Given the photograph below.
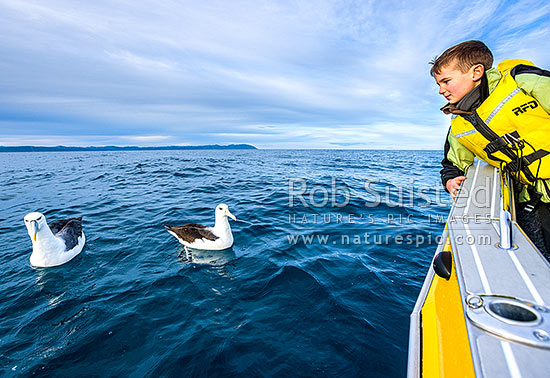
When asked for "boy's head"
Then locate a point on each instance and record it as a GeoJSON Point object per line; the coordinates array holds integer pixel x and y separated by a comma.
{"type": "Point", "coordinates": [460, 69]}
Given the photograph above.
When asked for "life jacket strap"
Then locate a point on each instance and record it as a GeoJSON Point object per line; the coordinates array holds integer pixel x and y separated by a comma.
{"type": "Point", "coordinates": [517, 163]}
{"type": "Point", "coordinates": [500, 143]}
{"type": "Point", "coordinates": [539, 154]}
{"type": "Point", "coordinates": [534, 199]}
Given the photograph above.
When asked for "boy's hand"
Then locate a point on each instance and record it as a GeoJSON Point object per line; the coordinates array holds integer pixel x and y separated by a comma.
{"type": "Point", "coordinates": [453, 185]}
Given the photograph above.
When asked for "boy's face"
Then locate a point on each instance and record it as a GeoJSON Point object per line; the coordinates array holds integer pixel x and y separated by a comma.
{"type": "Point", "coordinates": [455, 84]}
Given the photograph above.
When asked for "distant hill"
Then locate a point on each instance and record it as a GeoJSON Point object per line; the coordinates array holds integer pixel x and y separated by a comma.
{"type": "Point", "coordinates": [126, 148]}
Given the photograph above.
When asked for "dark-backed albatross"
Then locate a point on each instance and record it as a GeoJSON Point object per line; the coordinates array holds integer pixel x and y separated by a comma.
{"type": "Point", "coordinates": [197, 236]}
{"type": "Point", "coordinates": [56, 243]}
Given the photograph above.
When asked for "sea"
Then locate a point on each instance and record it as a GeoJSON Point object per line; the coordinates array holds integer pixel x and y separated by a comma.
{"type": "Point", "coordinates": [331, 248]}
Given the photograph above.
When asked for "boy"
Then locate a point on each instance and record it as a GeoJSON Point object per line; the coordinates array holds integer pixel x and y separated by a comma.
{"type": "Point", "coordinates": [502, 116]}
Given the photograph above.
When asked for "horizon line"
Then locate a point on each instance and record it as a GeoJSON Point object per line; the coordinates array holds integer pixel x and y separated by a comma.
{"type": "Point", "coordinates": [243, 146]}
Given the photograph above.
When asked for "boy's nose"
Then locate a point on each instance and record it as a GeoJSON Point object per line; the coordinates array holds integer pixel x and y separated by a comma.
{"type": "Point", "coordinates": [441, 90]}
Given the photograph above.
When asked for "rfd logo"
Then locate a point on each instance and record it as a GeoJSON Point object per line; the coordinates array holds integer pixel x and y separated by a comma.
{"type": "Point", "coordinates": [523, 108]}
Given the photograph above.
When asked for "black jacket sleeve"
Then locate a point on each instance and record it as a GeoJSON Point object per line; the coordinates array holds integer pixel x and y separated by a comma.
{"type": "Point", "coordinates": [449, 171]}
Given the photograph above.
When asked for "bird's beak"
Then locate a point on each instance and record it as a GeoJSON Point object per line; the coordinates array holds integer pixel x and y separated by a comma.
{"type": "Point", "coordinates": [230, 215]}
{"type": "Point", "coordinates": [33, 230]}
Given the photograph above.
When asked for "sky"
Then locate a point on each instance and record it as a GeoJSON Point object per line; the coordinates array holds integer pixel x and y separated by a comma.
{"type": "Point", "coordinates": [274, 74]}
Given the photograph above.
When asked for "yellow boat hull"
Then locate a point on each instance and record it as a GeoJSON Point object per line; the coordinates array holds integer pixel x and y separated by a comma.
{"type": "Point", "coordinates": [445, 345]}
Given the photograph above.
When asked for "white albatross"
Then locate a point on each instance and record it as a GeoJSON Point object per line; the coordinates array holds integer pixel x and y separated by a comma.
{"type": "Point", "coordinates": [56, 243]}
{"type": "Point", "coordinates": [197, 236]}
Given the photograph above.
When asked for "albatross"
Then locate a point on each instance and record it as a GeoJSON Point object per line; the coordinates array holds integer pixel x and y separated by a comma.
{"type": "Point", "coordinates": [55, 243]}
{"type": "Point", "coordinates": [197, 236]}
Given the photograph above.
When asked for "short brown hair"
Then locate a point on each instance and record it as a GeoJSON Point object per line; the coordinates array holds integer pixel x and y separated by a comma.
{"type": "Point", "coordinates": [464, 55]}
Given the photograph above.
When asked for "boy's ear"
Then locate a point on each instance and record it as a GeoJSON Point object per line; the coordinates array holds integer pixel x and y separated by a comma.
{"type": "Point", "coordinates": [477, 72]}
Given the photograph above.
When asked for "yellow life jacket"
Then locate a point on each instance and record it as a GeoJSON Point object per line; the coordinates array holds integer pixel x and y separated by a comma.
{"type": "Point", "coordinates": [509, 129]}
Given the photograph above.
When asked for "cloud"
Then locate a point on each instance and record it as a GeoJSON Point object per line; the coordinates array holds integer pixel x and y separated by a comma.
{"type": "Point", "coordinates": [271, 73]}
{"type": "Point", "coordinates": [148, 138]}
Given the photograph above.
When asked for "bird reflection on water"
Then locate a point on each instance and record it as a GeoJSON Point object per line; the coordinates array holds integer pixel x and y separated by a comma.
{"type": "Point", "coordinates": [218, 260]}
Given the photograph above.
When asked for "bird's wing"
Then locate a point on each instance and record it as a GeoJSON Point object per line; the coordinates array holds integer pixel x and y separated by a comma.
{"type": "Point", "coordinates": [191, 232]}
{"type": "Point", "coordinates": [196, 225]}
{"type": "Point", "coordinates": [57, 225]}
{"type": "Point", "coordinates": [69, 230]}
